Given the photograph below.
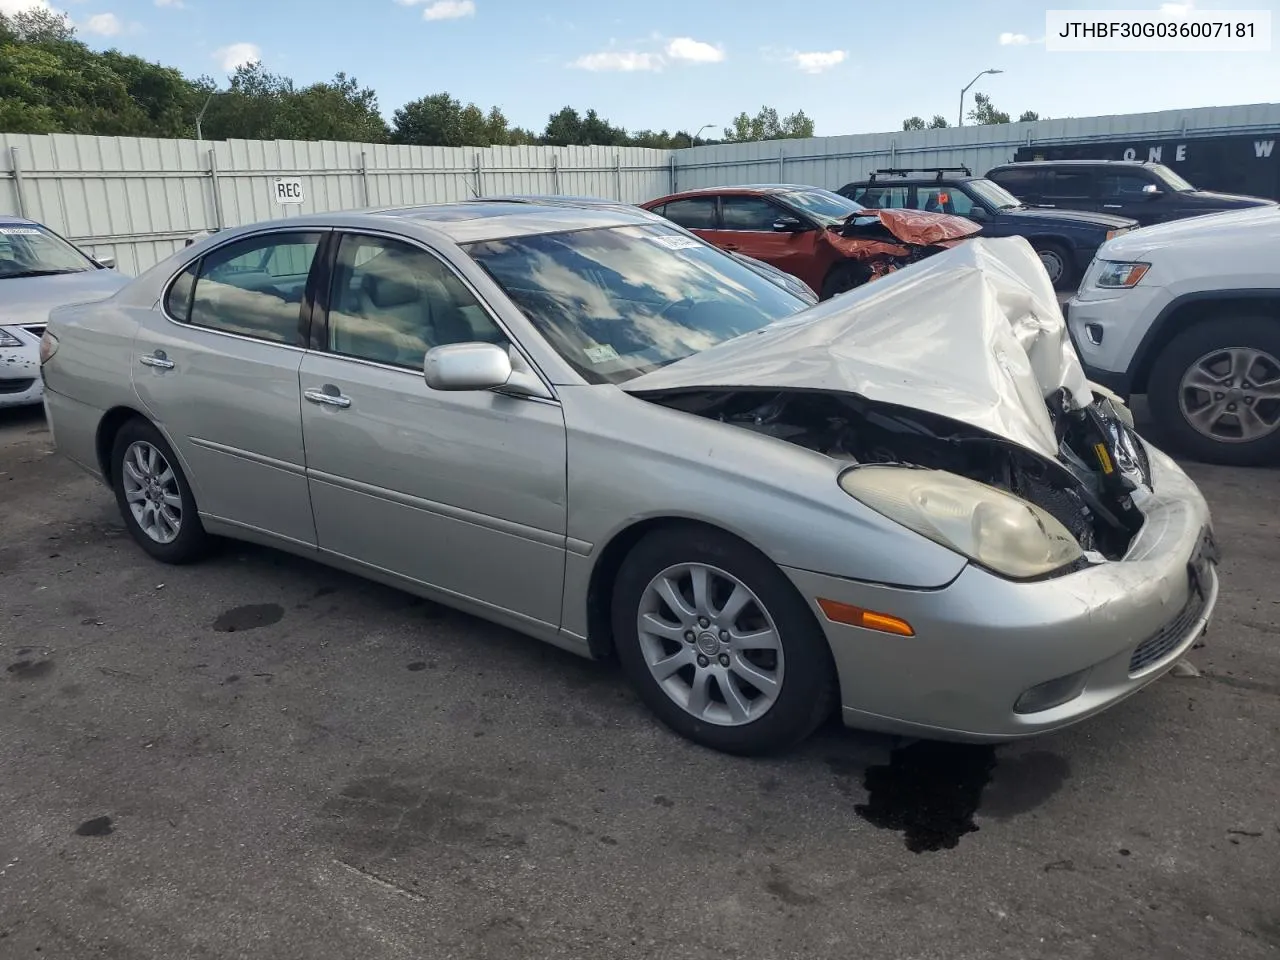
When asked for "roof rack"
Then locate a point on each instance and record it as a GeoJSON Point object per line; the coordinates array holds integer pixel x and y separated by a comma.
{"type": "Point", "coordinates": [904, 171]}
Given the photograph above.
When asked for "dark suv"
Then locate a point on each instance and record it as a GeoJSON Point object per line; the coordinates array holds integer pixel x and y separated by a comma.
{"type": "Point", "coordinates": [1065, 239]}
{"type": "Point", "coordinates": [1147, 192]}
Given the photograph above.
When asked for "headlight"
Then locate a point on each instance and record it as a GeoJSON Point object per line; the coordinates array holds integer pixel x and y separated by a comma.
{"type": "Point", "coordinates": [7, 339]}
{"type": "Point", "coordinates": [993, 528]}
{"type": "Point", "coordinates": [1115, 275]}
{"type": "Point", "coordinates": [48, 347]}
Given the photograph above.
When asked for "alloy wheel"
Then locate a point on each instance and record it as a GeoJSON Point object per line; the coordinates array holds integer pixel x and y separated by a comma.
{"type": "Point", "coordinates": [152, 492]}
{"type": "Point", "coordinates": [710, 644]}
{"type": "Point", "coordinates": [1232, 395]}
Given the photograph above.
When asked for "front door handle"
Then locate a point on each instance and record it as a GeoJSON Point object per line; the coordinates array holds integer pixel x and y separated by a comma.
{"type": "Point", "coordinates": [328, 396]}
{"type": "Point", "coordinates": [157, 360]}
{"type": "Point", "coordinates": [729, 246]}
{"type": "Point", "coordinates": [1111, 206]}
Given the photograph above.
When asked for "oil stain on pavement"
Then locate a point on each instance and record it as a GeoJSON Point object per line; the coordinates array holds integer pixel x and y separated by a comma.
{"type": "Point", "coordinates": [931, 791]}
{"type": "Point", "coordinates": [249, 617]}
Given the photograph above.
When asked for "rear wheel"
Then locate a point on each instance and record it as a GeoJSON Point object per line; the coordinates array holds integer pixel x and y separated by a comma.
{"type": "Point", "coordinates": [719, 644]}
{"type": "Point", "coordinates": [1056, 260]}
{"type": "Point", "coordinates": [153, 495]}
{"type": "Point", "coordinates": [844, 277]}
{"type": "Point", "coordinates": [1214, 392]}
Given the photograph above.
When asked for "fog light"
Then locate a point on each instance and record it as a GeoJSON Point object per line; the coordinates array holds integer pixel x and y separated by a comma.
{"type": "Point", "coordinates": [1052, 693]}
{"type": "Point", "coordinates": [1094, 332]}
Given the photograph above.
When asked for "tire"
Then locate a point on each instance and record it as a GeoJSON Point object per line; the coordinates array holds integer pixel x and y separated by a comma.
{"type": "Point", "coordinates": [842, 278]}
{"type": "Point", "coordinates": [805, 691]}
{"type": "Point", "coordinates": [1198, 355]}
{"type": "Point", "coordinates": [1051, 252]}
{"type": "Point", "coordinates": [136, 441]}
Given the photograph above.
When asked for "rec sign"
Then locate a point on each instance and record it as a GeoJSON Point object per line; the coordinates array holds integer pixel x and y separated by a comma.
{"type": "Point", "coordinates": [288, 190]}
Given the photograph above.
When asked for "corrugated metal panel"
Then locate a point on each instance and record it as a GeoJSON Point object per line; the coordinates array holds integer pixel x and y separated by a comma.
{"type": "Point", "coordinates": [832, 162]}
{"type": "Point", "coordinates": [138, 199]}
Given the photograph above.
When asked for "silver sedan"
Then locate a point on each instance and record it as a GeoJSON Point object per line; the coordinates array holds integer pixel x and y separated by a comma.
{"type": "Point", "coordinates": [906, 503]}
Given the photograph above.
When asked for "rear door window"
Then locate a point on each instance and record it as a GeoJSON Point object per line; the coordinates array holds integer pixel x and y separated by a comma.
{"type": "Point", "coordinates": [880, 197]}
{"type": "Point", "coordinates": [695, 213]}
{"type": "Point", "coordinates": [1022, 183]}
{"type": "Point", "coordinates": [1066, 185]}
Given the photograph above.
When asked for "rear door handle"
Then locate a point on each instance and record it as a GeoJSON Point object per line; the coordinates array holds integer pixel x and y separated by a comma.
{"type": "Point", "coordinates": [328, 396]}
{"type": "Point", "coordinates": [729, 246]}
{"type": "Point", "coordinates": [157, 360]}
{"type": "Point", "coordinates": [1111, 206]}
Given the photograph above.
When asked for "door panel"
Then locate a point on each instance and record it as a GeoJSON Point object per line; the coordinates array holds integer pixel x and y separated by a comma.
{"type": "Point", "coordinates": [463, 491]}
{"type": "Point", "coordinates": [230, 403]}
{"type": "Point", "coordinates": [747, 227]}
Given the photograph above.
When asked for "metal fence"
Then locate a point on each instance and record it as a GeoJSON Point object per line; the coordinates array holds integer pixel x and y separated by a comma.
{"type": "Point", "coordinates": [832, 162]}
{"type": "Point", "coordinates": [138, 199]}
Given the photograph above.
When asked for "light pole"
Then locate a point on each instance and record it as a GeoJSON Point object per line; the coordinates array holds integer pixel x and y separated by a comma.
{"type": "Point", "coordinates": [960, 123]}
{"type": "Point", "coordinates": [200, 115]}
{"type": "Point", "coordinates": [699, 133]}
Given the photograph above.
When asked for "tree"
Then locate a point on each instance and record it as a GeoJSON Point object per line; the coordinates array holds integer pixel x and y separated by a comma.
{"type": "Point", "coordinates": [1028, 115]}
{"type": "Point", "coordinates": [984, 111]}
{"type": "Point", "coordinates": [765, 125]}
{"type": "Point", "coordinates": [913, 123]}
{"type": "Point", "coordinates": [564, 127]}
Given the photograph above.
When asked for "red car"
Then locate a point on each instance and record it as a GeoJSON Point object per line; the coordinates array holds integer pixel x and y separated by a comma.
{"type": "Point", "coordinates": [826, 240]}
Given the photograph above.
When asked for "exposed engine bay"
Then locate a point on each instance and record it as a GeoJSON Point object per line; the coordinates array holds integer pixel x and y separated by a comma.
{"type": "Point", "coordinates": [1090, 488]}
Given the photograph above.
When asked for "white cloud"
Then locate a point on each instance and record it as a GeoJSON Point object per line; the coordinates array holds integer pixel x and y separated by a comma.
{"type": "Point", "coordinates": [11, 7]}
{"type": "Point", "coordinates": [443, 9]}
{"type": "Point", "coordinates": [103, 25]}
{"type": "Point", "coordinates": [1014, 39]}
{"type": "Point", "coordinates": [818, 60]}
{"type": "Point", "coordinates": [237, 55]}
{"type": "Point", "coordinates": [624, 61]}
{"type": "Point", "coordinates": [694, 51]}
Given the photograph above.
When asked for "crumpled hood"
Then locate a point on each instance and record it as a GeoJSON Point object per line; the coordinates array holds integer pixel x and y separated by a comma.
{"type": "Point", "coordinates": [919, 227]}
{"type": "Point", "coordinates": [26, 300]}
{"type": "Point", "coordinates": [973, 333]}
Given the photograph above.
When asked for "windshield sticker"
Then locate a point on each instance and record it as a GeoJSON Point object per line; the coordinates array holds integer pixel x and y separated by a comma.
{"type": "Point", "coordinates": [19, 232]}
{"type": "Point", "coordinates": [673, 241]}
{"type": "Point", "coordinates": [601, 353]}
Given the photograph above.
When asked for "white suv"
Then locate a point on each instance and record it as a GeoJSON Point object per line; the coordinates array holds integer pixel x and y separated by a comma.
{"type": "Point", "coordinates": [1188, 313]}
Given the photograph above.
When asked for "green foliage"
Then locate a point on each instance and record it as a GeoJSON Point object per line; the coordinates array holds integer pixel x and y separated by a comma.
{"type": "Point", "coordinates": [939, 122]}
{"type": "Point", "coordinates": [765, 125]}
{"type": "Point", "coordinates": [984, 111]}
{"type": "Point", "coordinates": [51, 82]}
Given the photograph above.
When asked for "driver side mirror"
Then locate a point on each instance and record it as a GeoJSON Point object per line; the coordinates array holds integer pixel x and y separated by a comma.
{"type": "Point", "coordinates": [478, 366]}
{"type": "Point", "coordinates": [107, 263]}
{"type": "Point", "coordinates": [1150, 192]}
{"type": "Point", "coordinates": [977, 213]}
{"type": "Point", "coordinates": [788, 225]}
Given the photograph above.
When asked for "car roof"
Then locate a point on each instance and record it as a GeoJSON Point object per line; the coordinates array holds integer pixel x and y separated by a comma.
{"type": "Point", "coordinates": [1076, 163]}
{"type": "Point", "coordinates": [891, 180]}
{"type": "Point", "coordinates": [745, 188]}
{"type": "Point", "coordinates": [470, 221]}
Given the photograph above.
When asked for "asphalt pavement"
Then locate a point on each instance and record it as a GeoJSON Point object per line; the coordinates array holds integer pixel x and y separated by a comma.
{"type": "Point", "coordinates": [257, 757]}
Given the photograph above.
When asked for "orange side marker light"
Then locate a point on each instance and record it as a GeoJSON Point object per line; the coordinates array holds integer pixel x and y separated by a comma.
{"type": "Point", "coordinates": [847, 613]}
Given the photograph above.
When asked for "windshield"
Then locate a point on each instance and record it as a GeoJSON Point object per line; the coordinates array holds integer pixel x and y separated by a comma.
{"type": "Point", "coordinates": [992, 194]}
{"type": "Point", "coordinates": [617, 302]}
{"type": "Point", "coordinates": [1174, 181]}
{"type": "Point", "coordinates": [823, 205]}
{"type": "Point", "coordinates": [27, 250]}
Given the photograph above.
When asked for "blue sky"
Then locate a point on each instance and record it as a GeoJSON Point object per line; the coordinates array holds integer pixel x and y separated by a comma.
{"type": "Point", "coordinates": [852, 65]}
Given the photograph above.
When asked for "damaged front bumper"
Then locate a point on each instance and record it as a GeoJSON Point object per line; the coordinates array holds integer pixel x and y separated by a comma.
{"type": "Point", "coordinates": [982, 644]}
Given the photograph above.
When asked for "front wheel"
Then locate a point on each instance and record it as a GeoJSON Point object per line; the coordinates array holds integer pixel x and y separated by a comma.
{"type": "Point", "coordinates": [153, 495]}
{"type": "Point", "coordinates": [844, 277]}
{"type": "Point", "coordinates": [1214, 392]}
{"type": "Point", "coordinates": [1056, 260]}
{"type": "Point", "coordinates": [719, 644]}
